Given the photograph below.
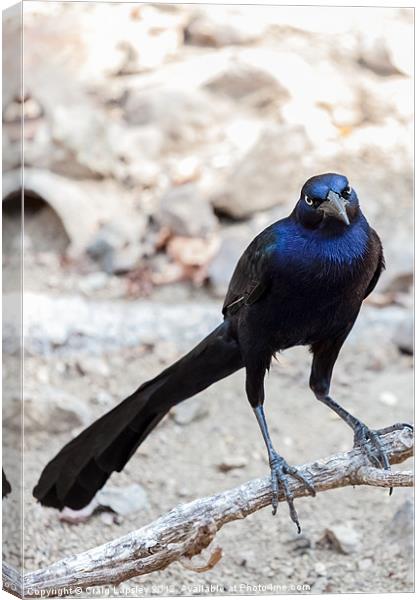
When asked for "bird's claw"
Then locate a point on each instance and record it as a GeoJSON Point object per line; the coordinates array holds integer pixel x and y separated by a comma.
{"type": "Point", "coordinates": [279, 471]}
{"type": "Point", "coordinates": [368, 440]}
{"type": "Point", "coordinates": [396, 427]}
{"type": "Point", "coordinates": [370, 444]}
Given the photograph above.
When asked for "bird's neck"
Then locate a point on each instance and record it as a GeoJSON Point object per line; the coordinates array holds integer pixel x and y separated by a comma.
{"type": "Point", "coordinates": [339, 244]}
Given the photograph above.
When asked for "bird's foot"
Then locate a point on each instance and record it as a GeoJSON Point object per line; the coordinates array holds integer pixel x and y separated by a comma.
{"type": "Point", "coordinates": [279, 471]}
{"type": "Point", "coordinates": [368, 440]}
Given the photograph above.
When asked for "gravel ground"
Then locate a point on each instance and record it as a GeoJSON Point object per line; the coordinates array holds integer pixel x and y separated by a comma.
{"type": "Point", "coordinates": [180, 463]}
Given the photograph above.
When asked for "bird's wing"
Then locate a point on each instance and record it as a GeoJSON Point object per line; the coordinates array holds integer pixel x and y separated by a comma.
{"type": "Point", "coordinates": [380, 264]}
{"type": "Point", "coordinates": [250, 279]}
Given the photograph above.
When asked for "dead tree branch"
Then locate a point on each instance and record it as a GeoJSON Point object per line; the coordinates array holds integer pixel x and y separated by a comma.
{"type": "Point", "coordinates": [186, 530]}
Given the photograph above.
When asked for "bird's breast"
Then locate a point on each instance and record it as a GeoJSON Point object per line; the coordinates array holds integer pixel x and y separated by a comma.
{"type": "Point", "coordinates": [318, 283]}
{"type": "Point", "coordinates": [319, 254]}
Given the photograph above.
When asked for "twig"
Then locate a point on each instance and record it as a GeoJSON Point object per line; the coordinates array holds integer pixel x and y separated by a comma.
{"type": "Point", "coordinates": [186, 530]}
{"type": "Point", "coordinates": [379, 478]}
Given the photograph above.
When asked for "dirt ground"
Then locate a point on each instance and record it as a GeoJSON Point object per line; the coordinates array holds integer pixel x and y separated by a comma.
{"type": "Point", "coordinates": [179, 463]}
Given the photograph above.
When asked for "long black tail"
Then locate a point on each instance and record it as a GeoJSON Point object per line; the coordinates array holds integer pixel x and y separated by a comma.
{"type": "Point", "coordinates": [6, 487]}
{"type": "Point", "coordinates": [83, 466]}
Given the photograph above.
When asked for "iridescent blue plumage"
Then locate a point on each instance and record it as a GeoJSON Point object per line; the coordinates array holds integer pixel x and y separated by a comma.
{"type": "Point", "coordinates": [322, 246]}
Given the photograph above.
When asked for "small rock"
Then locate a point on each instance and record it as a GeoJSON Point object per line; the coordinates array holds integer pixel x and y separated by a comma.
{"type": "Point", "coordinates": [320, 569]}
{"type": "Point", "coordinates": [116, 246]}
{"type": "Point", "coordinates": [184, 210]}
{"type": "Point", "coordinates": [401, 528]}
{"type": "Point", "coordinates": [246, 83]}
{"type": "Point", "coordinates": [381, 356]}
{"type": "Point", "coordinates": [183, 493]}
{"type": "Point", "coordinates": [300, 545]}
{"type": "Point", "coordinates": [53, 410]}
{"type": "Point", "coordinates": [191, 410]}
{"type": "Point", "coordinates": [93, 282]}
{"type": "Point", "coordinates": [61, 367]}
{"type": "Point", "coordinates": [365, 564]}
{"type": "Point", "coordinates": [247, 558]}
{"type": "Point", "coordinates": [223, 28]}
{"type": "Point", "coordinates": [166, 352]}
{"type": "Point", "coordinates": [320, 586]}
{"type": "Point", "coordinates": [185, 170]}
{"type": "Point", "coordinates": [341, 538]}
{"type": "Point", "coordinates": [398, 275]}
{"type": "Point", "coordinates": [192, 252]}
{"type": "Point", "coordinates": [145, 173]}
{"type": "Point", "coordinates": [104, 398]}
{"type": "Point", "coordinates": [127, 259]}
{"type": "Point", "coordinates": [234, 462]}
{"type": "Point", "coordinates": [107, 518]}
{"type": "Point", "coordinates": [404, 335]}
{"type": "Point", "coordinates": [287, 570]}
{"type": "Point", "coordinates": [376, 58]}
{"type": "Point", "coordinates": [234, 241]}
{"type": "Point", "coordinates": [124, 500]}
{"type": "Point", "coordinates": [43, 374]}
{"type": "Point", "coordinates": [48, 259]}
{"type": "Point", "coordinates": [388, 398]}
{"type": "Point", "coordinates": [382, 51]}
{"type": "Point", "coordinates": [92, 365]}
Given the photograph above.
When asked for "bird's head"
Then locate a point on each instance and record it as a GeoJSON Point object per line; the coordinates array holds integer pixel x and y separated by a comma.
{"type": "Point", "coordinates": [327, 200]}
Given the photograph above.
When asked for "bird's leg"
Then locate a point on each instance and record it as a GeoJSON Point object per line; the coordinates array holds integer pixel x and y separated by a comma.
{"type": "Point", "coordinates": [255, 374]}
{"type": "Point", "coordinates": [366, 439]}
{"type": "Point", "coordinates": [362, 434]}
{"type": "Point", "coordinates": [279, 471]}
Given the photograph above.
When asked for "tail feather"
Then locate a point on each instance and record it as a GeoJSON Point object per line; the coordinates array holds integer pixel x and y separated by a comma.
{"type": "Point", "coordinates": [83, 466]}
{"type": "Point", "coordinates": [6, 487]}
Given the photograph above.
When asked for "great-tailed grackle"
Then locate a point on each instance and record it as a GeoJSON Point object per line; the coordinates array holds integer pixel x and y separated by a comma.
{"type": "Point", "coordinates": [300, 282]}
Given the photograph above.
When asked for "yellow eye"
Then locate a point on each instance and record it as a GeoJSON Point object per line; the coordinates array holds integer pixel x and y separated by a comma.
{"type": "Point", "coordinates": [347, 192]}
{"type": "Point", "coordinates": [309, 201]}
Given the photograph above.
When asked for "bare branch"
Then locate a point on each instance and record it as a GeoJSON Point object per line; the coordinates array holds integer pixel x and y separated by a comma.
{"type": "Point", "coordinates": [186, 530]}
{"type": "Point", "coordinates": [379, 478]}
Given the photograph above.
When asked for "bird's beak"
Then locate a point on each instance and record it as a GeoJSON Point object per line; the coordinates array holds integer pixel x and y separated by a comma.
{"type": "Point", "coordinates": [335, 206]}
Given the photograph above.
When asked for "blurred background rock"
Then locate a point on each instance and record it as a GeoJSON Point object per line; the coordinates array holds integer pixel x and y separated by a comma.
{"type": "Point", "coordinates": [159, 139]}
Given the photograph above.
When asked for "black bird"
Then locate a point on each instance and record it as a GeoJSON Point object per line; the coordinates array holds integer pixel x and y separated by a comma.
{"type": "Point", "coordinates": [300, 282]}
